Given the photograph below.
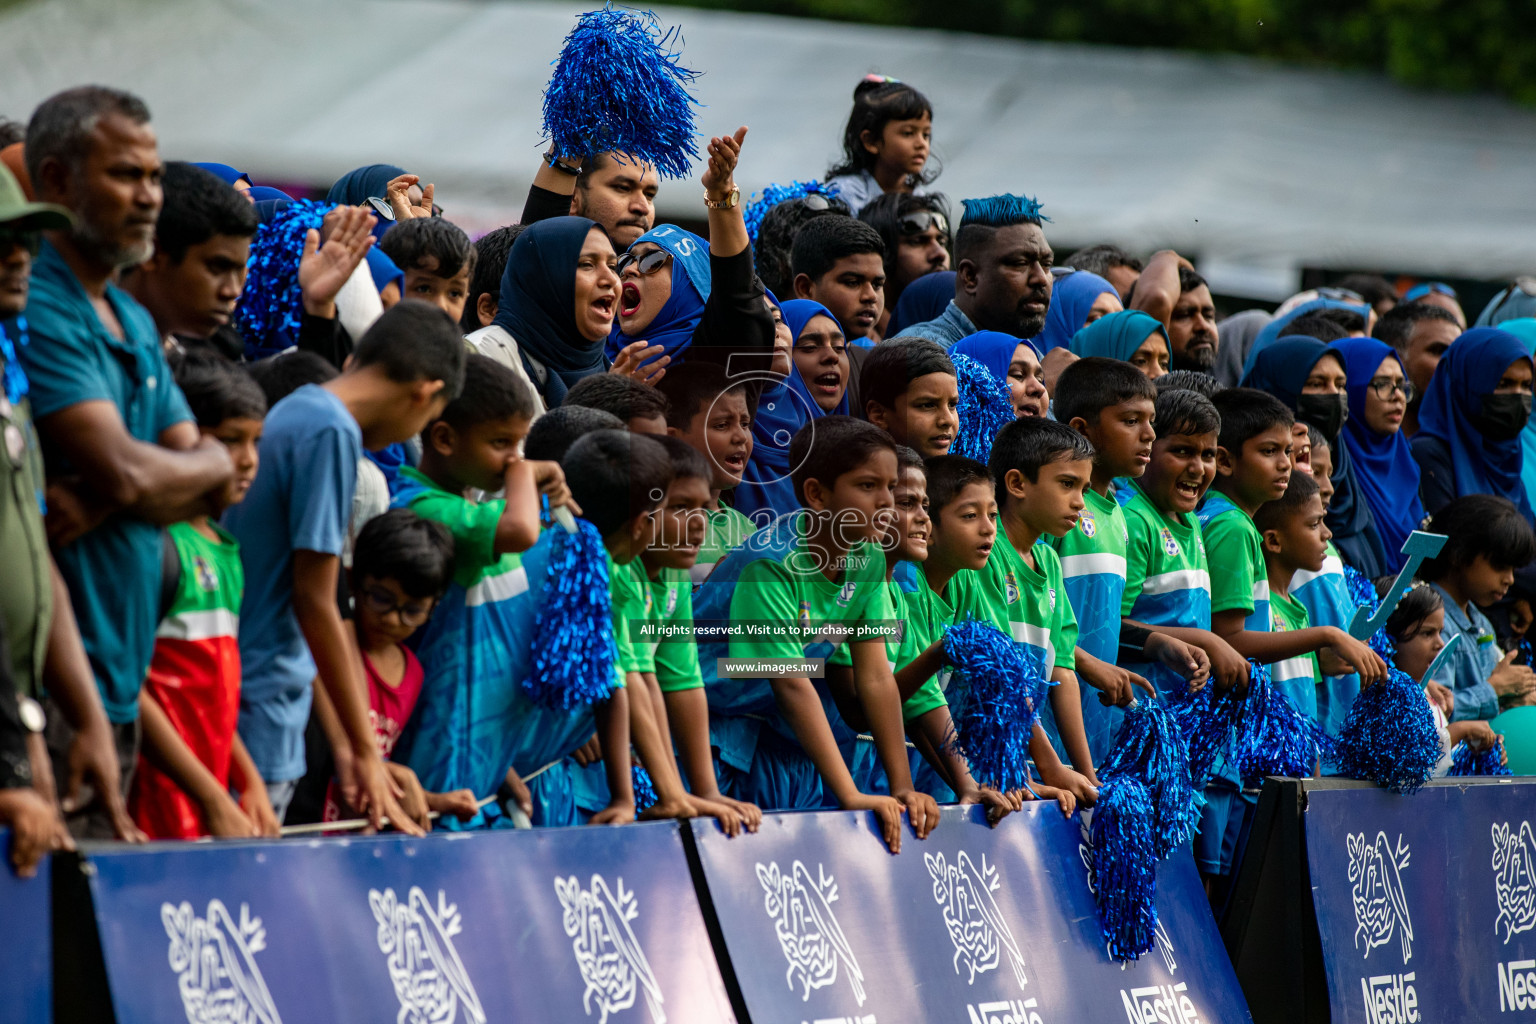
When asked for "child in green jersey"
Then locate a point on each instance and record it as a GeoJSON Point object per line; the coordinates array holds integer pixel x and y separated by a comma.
{"type": "Point", "coordinates": [1294, 540]}
{"type": "Point", "coordinates": [675, 663]}
{"type": "Point", "coordinates": [1041, 469]}
{"type": "Point", "coordinates": [909, 390]}
{"type": "Point", "coordinates": [704, 410]}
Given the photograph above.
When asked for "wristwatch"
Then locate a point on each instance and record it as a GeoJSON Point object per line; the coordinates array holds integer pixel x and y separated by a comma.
{"type": "Point", "coordinates": [557, 164]}
{"type": "Point", "coordinates": [730, 202]}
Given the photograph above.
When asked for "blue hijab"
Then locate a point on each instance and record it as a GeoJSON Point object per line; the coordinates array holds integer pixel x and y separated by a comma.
{"type": "Point", "coordinates": [225, 173]}
{"type": "Point", "coordinates": [1072, 296]}
{"type": "Point", "coordinates": [781, 411]}
{"type": "Point", "coordinates": [1282, 369]}
{"type": "Point", "coordinates": [537, 305]}
{"type": "Point", "coordinates": [1470, 369]}
{"type": "Point", "coordinates": [1118, 335]}
{"type": "Point", "coordinates": [921, 301]}
{"type": "Point", "coordinates": [269, 202]}
{"type": "Point", "coordinates": [383, 270]}
{"type": "Point", "coordinates": [356, 187]}
{"type": "Point", "coordinates": [1524, 328]}
{"type": "Point", "coordinates": [1270, 332]}
{"type": "Point", "coordinates": [1384, 465]}
{"type": "Point", "coordinates": [674, 324]}
{"type": "Point", "coordinates": [992, 349]}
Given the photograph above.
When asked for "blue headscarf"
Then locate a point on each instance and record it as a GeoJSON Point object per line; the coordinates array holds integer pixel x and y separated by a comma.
{"type": "Point", "coordinates": [1513, 303]}
{"type": "Point", "coordinates": [1470, 369]}
{"type": "Point", "coordinates": [674, 324]}
{"type": "Point", "coordinates": [1524, 328]}
{"type": "Point", "coordinates": [1384, 465]}
{"type": "Point", "coordinates": [1072, 296]}
{"type": "Point", "coordinates": [781, 412]}
{"type": "Point", "coordinates": [1282, 368]}
{"type": "Point", "coordinates": [269, 201]}
{"type": "Point", "coordinates": [1118, 335]}
{"type": "Point", "coordinates": [921, 301]}
{"type": "Point", "coordinates": [992, 349]}
{"type": "Point", "coordinates": [356, 187]}
{"type": "Point", "coordinates": [537, 305]}
{"type": "Point", "coordinates": [383, 269]}
{"type": "Point", "coordinates": [225, 173]}
{"type": "Point", "coordinates": [1270, 332]}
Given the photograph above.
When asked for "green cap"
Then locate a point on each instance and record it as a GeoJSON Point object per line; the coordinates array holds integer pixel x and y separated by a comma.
{"type": "Point", "coordinates": [19, 214]}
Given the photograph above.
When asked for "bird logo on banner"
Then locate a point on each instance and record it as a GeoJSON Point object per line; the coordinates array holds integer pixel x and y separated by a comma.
{"type": "Point", "coordinates": [429, 978]}
{"type": "Point", "coordinates": [608, 953]}
{"type": "Point", "coordinates": [971, 915]}
{"type": "Point", "coordinates": [215, 960]}
{"type": "Point", "coordinates": [812, 940]}
{"type": "Point", "coordinates": [1381, 905]}
{"type": "Point", "coordinates": [1514, 879]}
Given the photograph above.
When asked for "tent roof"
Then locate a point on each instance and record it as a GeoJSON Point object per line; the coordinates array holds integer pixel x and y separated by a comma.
{"type": "Point", "coordinates": [1255, 168]}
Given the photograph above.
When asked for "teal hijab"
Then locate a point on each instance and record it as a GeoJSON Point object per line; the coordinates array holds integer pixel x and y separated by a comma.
{"type": "Point", "coordinates": [1117, 335]}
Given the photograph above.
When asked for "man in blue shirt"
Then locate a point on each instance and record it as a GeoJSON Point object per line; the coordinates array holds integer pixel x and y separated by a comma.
{"type": "Point", "coordinates": [124, 453]}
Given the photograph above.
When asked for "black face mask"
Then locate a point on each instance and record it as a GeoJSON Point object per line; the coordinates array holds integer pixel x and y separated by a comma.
{"type": "Point", "coordinates": [1325, 412]}
{"type": "Point", "coordinates": [1503, 416]}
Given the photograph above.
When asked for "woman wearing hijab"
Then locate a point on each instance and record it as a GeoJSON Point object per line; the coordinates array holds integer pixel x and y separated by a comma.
{"type": "Point", "coordinates": [1385, 470]}
{"type": "Point", "coordinates": [1524, 328]}
{"type": "Point", "coordinates": [922, 300]}
{"type": "Point", "coordinates": [1130, 336]}
{"type": "Point", "coordinates": [817, 386]}
{"type": "Point", "coordinates": [1472, 418]}
{"type": "Point", "coordinates": [370, 186]}
{"type": "Point", "coordinates": [1014, 361]}
{"type": "Point", "coordinates": [558, 297]}
{"type": "Point", "coordinates": [1077, 300]}
{"type": "Point", "coordinates": [233, 177]}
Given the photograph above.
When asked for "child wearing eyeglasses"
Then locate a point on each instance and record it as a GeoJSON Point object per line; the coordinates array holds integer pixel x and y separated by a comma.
{"type": "Point", "coordinates": [401, 565]}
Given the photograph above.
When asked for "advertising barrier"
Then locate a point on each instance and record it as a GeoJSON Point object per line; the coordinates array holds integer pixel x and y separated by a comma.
{"type": "Point", "coordinates": [976, 925]}
{"type": "Point", "coordinates": [26, 961]}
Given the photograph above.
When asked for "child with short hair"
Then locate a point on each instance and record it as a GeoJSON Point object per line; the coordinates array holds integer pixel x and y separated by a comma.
{"type": "Point", "coordinates": [909, 390]}
{"type": "Point", "coordinates": [818, 568]}
{"type": "Point", "coordinates": [190, 701]}
{"type": "Point", "coordinates": [438, 261]}
{"type": "Point", "coordinates": [553, 433]}
{"type": "Point", "coordinates": [292, 527]}
{"type": "Point", "coordinates": [1488, 540]}
{"type": "Point", "coordinates": [1112, 404]}
{"type": "Point", "coordinates": [642, 408]}
{"type": "Point", "coordinates": [401, 566]}
{"type": "Point", "coordinates": [840, 263]}
{"type": "Point", "coordinates": [707, 412]}
{"type": "Point", "coordinates": [484, 300]}
{"type": "Point", "coordinates": [1294, 540]}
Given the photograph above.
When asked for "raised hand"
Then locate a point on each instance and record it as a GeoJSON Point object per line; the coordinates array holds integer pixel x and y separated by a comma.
{"type": "Point", "coordinates": [399, 200]}
{"type": "Point", "coordinates": [720, 173]}
{"type": "Point", "coordinates": [324, 268]}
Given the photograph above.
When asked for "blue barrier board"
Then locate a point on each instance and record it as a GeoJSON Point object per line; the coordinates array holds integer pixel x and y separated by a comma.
{"type": "Point", "coordinates": [974, 925]}
{"type": "Point", "coordinates": [1426, 904]}
{"type": "Point", "coordinates": [567, 925]}
{"type": "Point", "coordinates": [26, 942]}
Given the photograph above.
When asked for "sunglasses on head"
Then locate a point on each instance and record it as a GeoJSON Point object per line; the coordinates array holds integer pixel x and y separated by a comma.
{"type": "Point", "coordinates": [1418, 291]}
{"type": "Point", "coordinates": [649, 263]}
{"type": "Point", "coordinates": [32, 241]}
{"type": "Point", "coordinates": [382, 207]}
{"type": "Point", "coordinates": [917, 223]}
{"type": "Point", "coordinates": [1340, 295]}
{"type": "Point", "coordinates": [815, 201]}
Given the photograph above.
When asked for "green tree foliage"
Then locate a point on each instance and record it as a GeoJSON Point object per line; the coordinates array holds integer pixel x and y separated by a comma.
{"type": "Point", "coordinates": [1443, 44]}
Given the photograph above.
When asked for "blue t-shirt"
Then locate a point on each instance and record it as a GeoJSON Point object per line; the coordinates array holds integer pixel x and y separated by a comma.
{"type": "Point", "coordinates": [301, 501]}
{"type": "Point", "coordinates": [1471, 663]}
{"type": "Point", "coordinates": [1325, 596]}
{"type": "Point", "coordinates": [113, 572]}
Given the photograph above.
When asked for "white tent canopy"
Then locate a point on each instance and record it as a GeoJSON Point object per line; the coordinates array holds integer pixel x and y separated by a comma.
{"type": "Point", "coordinates": [1255, 169]}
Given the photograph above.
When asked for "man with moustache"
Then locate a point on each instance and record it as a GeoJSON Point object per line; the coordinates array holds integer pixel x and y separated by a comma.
{"type": "Point", "coordinates": [1192, 325]}
{"type": "Point", "coordinates": [123, 451]}
{"type": "Point", "coordinates": [1002, 273]}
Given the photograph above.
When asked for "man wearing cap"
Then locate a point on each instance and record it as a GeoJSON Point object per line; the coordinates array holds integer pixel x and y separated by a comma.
{"type": "Point", "coordinates": [123, 453]}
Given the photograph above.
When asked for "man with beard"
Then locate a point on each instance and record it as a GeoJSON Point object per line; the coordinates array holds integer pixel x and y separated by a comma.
{"type": "Point", "coordinates": [123, 451]}
{"type": "Point", "coordinates": [613, 189]}
{"type": "Point", "coordinates": [1192, 324]}
{"type": "Point", "coordinates": [1002, 273]}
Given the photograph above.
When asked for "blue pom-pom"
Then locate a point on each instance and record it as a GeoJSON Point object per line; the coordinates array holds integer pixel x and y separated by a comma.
{"type": "Point", "coordinates": [573, 650]}
{"type": "Point", "coordinates": [994, 700]}
{"type": "Point", "coordinates": [1488, 761]}
{"type": "Point", "coordinates": [271, 304]}
{"type": "Point", "coordinates": [1361, 591]}
{"type": "Point", "coordinates": [1150, 748]}
{"type": "Point", "coordinates": [1124, 870]}
{"type": "Point", "coordinates": [1001, 211]}
{"type": "Point", "coordinates": [1273, 737]}
{"type": "Point", "coordinates": [1206, 720]}
{"type": "Point", "coordinates": [773, 195]}
{"type": "Point", "coordinates": [986, 406]}
{"type": "Point", "coordinates": [645, 790]}
{"type": "Point", "coordinates": [1389, 736]}
{"type": "Point", "coordinates": [618, 88]}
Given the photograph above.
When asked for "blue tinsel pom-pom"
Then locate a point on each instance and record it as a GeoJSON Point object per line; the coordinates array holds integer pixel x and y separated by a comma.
{"type": "Point", "coordinates": [994, 702]}
{"type": "Point", "coordinates": [573, 651]}
{"type": "Point", "coordinates": [1124, 872]}
{"type": "Point", "coordinates": [645, 790]}
{"type": "Point", "coordinates": [773, 195]}
{"type": "Point", "coordinates": [986, 406]}
{"type": "Point", "coordinates": [1466, 761]}
{"type": "Point", "coordinates": [1273, 737]}
{"type": "Point", "coordinates": [1150, 749]}
{"type": "Point", "coordinates": [1205, 719]}
{"type": "Point", "coordinates": [271, 303]}
{"type": "Point", "coordinates": [618, 87]}
{"type": "Point", "coordinates": [1389, 736]}
{"type": "Point", "coordinates": [1361, 590]}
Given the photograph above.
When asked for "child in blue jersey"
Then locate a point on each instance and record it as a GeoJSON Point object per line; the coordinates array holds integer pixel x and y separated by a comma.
{"type": "Point", "coordinates": [472, 721]}
{"type": "Point", "coordinates": [1111, 403]}
{"type": "Point", "coordinates": [809, 578]}
{"type": "Point", "coordinates": [909, 390]}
